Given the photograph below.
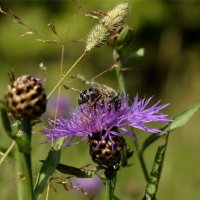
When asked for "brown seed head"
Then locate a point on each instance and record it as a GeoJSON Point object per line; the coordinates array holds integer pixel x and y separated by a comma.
{"type": "Point", "coordinates": [26, 98]}
{"type": "Point", "coordinates": [103, 154]}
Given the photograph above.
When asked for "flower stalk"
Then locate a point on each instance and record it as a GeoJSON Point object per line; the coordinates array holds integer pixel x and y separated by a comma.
{"type": "Point", "coordinates": [65, 75]}
{"type": "Point", "coordinates": [111, 175]}
{"type": "Point", "coordinates": [20, 174]}
{"type": "Point", "coordinates": [141, 160]}
{"type": "Point", "coordinates": [26, 129]}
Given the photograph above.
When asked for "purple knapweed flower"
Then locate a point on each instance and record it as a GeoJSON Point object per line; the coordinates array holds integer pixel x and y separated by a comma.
{"type": "Point", "coordinates": [107, 120]}
{"type": "Point", "coordinates": [58, 105]}
{"type": "Point", "coordinates": [91, 186]}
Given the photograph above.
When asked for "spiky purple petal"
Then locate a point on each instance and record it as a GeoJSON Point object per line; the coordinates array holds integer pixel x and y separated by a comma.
{"type": "Point", "coordinates": [107, 118]}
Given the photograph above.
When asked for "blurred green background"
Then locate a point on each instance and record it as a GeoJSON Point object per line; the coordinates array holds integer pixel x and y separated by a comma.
{"type": "Point", "coordinates": [170, 70]}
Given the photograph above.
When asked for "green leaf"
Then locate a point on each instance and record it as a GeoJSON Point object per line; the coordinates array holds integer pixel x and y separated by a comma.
{"type": "Point", "coordinates": [178, 121]}
{"type": "Point", "coordinates": [134, 55]}
{"type": "Point", "coordinates": [46, 171]}
{"type": "Point", "coordinates": [126, 60]}
{"type": "Point", "coordinates": [154, 177]}
{"type": "Point", "coordinates": [182, 118]}
{"type": "Point", "coordinates": [124, 38]}
{"type": "Point", "coordinates": [78, 172]}
{"type": "Point", "coordinates": [5, 121]}
{"type": "Point", "coordinates": [137, 54]}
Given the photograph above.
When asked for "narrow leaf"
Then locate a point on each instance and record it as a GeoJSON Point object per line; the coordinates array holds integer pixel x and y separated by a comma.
{"type": "Point", "coordinates": [182, 118]}
{"type": "Point", "coordinates": [154, 177]}
{"type": "Point", "coordinates": [5, 121]}
{"type": "Point", "coordinates": [46, 171]}
{"type": "Point", "coordinates": [78, 172]}
{"type": "Point", "coordinates": [178, 121]}
{"type": "Point", "coordinates": [153, 181]}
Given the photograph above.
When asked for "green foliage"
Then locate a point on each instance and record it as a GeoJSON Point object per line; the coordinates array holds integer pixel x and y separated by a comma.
{"type": "Point", "coordinates": [154, 177]}
{"type": "Point", "coordinates": [47, 170]}
{"type": "Point", "coordinates": [70, 170]}
{"type": "Point", "coordinates": [5, 120]}
{"type": "Point", "coordinates": [169, 69]}
{"type": "Point", "coordinates": [179, 121]}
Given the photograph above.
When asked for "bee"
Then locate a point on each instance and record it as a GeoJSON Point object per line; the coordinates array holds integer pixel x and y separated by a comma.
{"type": "Point", "coordinates": [99, 93]}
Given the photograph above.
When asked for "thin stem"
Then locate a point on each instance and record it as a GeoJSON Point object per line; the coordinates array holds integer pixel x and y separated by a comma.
{"type": "Point", "coordinates": [28, 174]}
{"type": "Point", "coordinates": [65, 75]}
{"type": "Point", "coordinates": [143, 165]}
{"type": "Point", "coordinates": [27, 130]}
{"type": "Point", "coordinates": [7, 152]}
{"type": "Point", "coordinates": [121, 85]}
{"type": "Point", "coordinates": [119, 75]}
{"type": "Point", "coordinates": [142, 162]}
{"type": "Point", "coordinates": [59, 88]}
{"type": "Point", "coordinates": [47, 193]}
{"type": "Point", "coordinates": [108, 190]}
{"type": "Point", "coordinates": [120, 79]}
{"type": "Point", "coordinates": [20, 174]}
{"type": "Point", "coordinates": [111, 176]}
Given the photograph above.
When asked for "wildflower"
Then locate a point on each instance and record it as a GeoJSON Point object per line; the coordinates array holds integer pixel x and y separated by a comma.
{"type": "Point", "coordinates": [104, 125]}
{"type": "Point", "coordinates": [90, 186]}
{"type": "Point", "coordinates": [26, 98]}
{"type": "Point", "coordinates": [59, 106]}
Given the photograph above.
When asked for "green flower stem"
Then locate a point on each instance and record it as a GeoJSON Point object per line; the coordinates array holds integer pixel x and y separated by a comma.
{"type": "Point", "coordinates": [121, 85]}
{"type": "Point", "coordinates": [27, 131]}
{"type": "Point", "coordinates": [120, 78]}
{"type": "Point", "coordinates": [111, 176]}
{"type": "Point", "coordinates": [142, 162]}
{"type": "Point", "coordinates": [19, 173]}
{"type": "Point", "coordinates": [28, 173]}
{"type": "Point", "coordinates": [119, 75]}
{"type": "Point", "coordinates": [108, 190]}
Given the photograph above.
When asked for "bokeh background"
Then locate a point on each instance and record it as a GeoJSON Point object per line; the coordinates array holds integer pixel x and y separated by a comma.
{"type": "Point", "coordinates": [169, 31]}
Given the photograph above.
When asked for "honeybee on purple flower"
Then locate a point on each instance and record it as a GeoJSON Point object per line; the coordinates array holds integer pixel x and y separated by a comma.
{"type": "Point", "coordinates": [99, 93]}
{"type": "Point", "coordinates": [103, 117]}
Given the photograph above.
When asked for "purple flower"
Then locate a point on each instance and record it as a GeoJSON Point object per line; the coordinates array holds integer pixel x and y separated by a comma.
{"type": "Point", "coordinates": [108, 120]}
{"type": "Point", "coordinates": [91, 186]}
{"type": "Point", "coordinates": [61, 104]}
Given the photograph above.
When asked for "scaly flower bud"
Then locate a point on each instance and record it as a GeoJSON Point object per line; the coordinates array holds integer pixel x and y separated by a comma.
{"type": "Point", "coordinates": [26, 98]}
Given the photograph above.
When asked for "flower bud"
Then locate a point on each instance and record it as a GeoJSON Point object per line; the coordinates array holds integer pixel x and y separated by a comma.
{"type": "Point", "coordinates": [104, 152]}
{"type": "Point", "coordinates": [26, 98]}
